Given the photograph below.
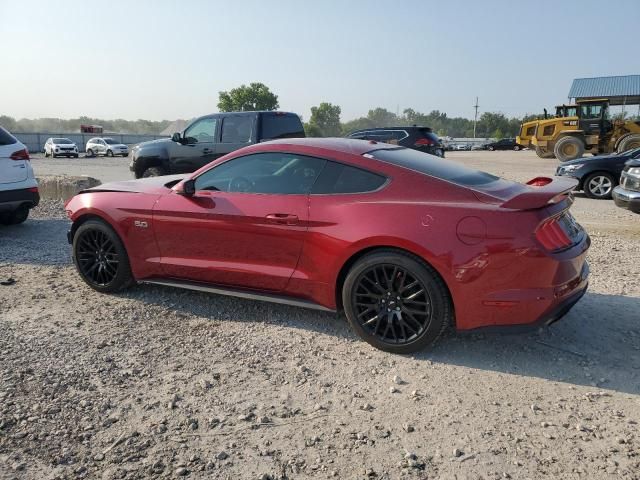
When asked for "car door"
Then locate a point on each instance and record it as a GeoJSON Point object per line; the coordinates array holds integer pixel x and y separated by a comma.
{"type": "Point", "coordinates": [244, 226]}
{"type": "Point", "coordinates": [238, 130]}
{"type": "Point", "coordinates": [198, 146]}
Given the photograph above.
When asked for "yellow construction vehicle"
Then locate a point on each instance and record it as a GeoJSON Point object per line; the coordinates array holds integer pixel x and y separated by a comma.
{"type": "Point", "coordinates": [578, 129]}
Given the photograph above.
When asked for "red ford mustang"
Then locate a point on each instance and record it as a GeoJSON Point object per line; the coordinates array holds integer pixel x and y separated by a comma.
{"type": "Point", "coordinates": [406, 243]}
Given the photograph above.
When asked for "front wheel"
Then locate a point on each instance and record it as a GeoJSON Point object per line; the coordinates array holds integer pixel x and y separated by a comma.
{"type": "Point", "coordinates": [153, 172]}
{"type": "Point", "coordinates": [491, 149]}
{"type": "Point", "coordinates": [516, 147]}
{"type": "Point", "coordinates": [599, 185]}
{"type": "Point", "coordinates": [89, 153]}
{"type": "Point", "coordinates": [568, 148]}
{"type": "Point", "coordinates": [100, 257]}
{"type": "Point", "coordinates": [395, 302]}
{"type": "Point", "coordinates": [109, 153]}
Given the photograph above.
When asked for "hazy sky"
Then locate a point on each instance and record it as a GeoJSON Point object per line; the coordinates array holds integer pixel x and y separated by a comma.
{"type": "Point", "coordinates": [169, 59]}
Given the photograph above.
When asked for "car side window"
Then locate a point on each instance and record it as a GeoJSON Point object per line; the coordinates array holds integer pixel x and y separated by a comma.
{"type": "Point", "coordinates": [267, 173]}
{"type": "Point", "coordinates": [339, 178]}
{"type": "Point", "coordinates": [202, 131]}
{"type": "Point", "coordinates": [237, 129]}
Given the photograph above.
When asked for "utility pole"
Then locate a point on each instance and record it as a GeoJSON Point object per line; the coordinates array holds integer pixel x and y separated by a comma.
{"type": "Point", "coordinates": [475, 118]}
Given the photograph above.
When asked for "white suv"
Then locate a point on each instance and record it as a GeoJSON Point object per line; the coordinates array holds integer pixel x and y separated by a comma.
{"type": "Point", "coordinates": [105, 146]}
{"type": "Point", "coordinates": [18, 186]}
{"type": "Point", "coordinates": [60, 147]}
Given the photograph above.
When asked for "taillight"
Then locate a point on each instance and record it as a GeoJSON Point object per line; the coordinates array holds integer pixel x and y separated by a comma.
{"type": "Point", "coordinates": [552, 236]}
{"type": "Point", "coordinates": [20, 155]}
{"type": "Point", "coordinates": [539, 181]}
{"type": "Point", "coordinates": [424, 141]}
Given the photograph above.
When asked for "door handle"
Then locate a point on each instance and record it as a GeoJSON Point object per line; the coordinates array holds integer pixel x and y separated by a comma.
{"type": "Point", "coordinates": [282, 218]}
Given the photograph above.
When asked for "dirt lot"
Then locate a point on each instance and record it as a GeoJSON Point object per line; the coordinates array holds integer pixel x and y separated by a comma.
{"type": "Point", "coordinates": [157, 382]}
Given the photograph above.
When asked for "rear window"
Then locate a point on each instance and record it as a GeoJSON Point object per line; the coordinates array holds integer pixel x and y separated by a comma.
{"type": "Point", "coordinates": [281, 125]}
{"type": "Point", "coordinates": [428, 133]}
{"type": "Point", "coordinates": [6, 138]}
{"type": "Point", "coordinates": [433, 166]}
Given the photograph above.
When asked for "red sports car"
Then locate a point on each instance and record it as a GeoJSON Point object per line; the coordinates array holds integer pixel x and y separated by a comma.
{"type": "Point", "coordinates": [406, 243]}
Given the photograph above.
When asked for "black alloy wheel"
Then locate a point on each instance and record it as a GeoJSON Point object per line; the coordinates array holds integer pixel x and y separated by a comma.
{"type": "Point", "coordinates": [100, 257]}
{"type": "Point", "coordinates": [395, 302]}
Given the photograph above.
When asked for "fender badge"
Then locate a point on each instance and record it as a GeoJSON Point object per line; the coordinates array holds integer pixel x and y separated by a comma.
{"type": "Point", "coordinates": [140, 224]}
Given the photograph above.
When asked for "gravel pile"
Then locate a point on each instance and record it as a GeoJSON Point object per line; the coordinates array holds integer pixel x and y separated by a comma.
{"type": "Point", "coordinates": [163, 383]}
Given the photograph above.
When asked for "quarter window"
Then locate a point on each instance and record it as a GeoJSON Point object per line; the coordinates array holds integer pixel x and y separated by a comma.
{"type": "Point", "coordinates": [339, 178]}
{"type": "Point", "coordinates": [268, 173]}
{"type": "Point", "coordinates": [202, 131]}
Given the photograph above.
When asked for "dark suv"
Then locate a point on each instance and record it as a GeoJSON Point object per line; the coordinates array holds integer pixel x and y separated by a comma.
{"type": "Point", "coordinates": [419, 138]}
{"type": "Point", "coordinates": [210, 137]}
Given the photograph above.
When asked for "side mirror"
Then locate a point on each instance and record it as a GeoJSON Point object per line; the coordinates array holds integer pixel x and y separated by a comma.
{"type": "Point", "coordinates": [189, 188]}
{"type": "Point", "coordinates": [176, 137]}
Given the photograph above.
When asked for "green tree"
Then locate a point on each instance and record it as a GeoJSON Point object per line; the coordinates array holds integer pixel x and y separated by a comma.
{"type": "Point", "coordinates": [255, 96]}
{"type": "Point", "coordinates": [326, 118]}
{"type": "Point", "coordinates": [312, 130]}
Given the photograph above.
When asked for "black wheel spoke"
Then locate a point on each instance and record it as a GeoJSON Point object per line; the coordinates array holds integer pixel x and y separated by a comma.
{"type": "Point", "coordinates": [391, 303]}
{"type": "Point", "coordinates": [97, 257]}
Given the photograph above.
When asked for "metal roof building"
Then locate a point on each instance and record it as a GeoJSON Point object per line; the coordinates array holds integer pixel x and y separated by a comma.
{"type": "Point", "coordinates": [620, 90]}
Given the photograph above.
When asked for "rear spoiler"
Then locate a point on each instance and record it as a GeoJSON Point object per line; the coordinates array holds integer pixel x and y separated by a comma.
{"type": "Point", "coordinates": [542, 191]}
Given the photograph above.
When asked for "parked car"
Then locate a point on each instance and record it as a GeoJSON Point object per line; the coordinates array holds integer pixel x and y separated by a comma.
{"type": "Point", "coordinates": [60, 147]}
{"type": "Point", "coordinates": [627, 194]}
{"type": "Point", "coordinates": [597, 176]}
{"type": "Point", "coordinates": [419, 138]}
{"type": "Point", "coordinates": [211, 137]}
{"type": "Point", "coordinates": [478, 146]}
{"type": "Point", "coordinates": [504, 144]}
{"type": "Point", "coordinates": [462, 146]}
{"type": "Point", "coordinates": [397, 238]}
{"type": "Point", "coordinates": [105, 146]}
{"type": "Point", "coordinates": [18, 186]}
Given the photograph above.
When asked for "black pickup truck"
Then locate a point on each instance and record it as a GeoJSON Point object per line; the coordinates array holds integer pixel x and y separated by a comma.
{"type": "Point", "coordinates": [211, 137]}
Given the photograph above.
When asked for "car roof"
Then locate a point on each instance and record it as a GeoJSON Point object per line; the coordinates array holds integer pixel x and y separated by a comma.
{"type": "Point", "coordinates": [344, 145]}
{"type": "Point", "coordinates": [408, 127]}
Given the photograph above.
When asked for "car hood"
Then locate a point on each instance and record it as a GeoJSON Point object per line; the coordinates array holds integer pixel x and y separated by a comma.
{"type": "Point", "coordinates": [159, 141]}
{"type": "Point", "coordinates": [144, 185]}
{"type": "Point", "coordinates": [584, 160]}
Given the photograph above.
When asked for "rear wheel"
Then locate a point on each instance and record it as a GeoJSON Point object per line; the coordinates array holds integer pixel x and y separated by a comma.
{"type": "Point", "coordinates": [491, 147]}
{"type": "Point", "coordinates": [516, 147]}
{"type": "Point", "coordinates": [395, 302]}
{"type": "Point", "coordinates": [542, 152]}
{"type": "Point", "coordinates": [100, 257]}
{"type": "Point", "coordinates": [599, 185]}
{"type": "Point", "coordinates": [16, 217]}
{"type": "Point", "coordinates": [153, 172]}
{"type": "Point", "coordinates": [569, 148]}
{"type": "Point", "coordinates": [629, 142]}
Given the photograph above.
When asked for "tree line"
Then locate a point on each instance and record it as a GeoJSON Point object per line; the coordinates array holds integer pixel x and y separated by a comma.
{"type": "Point", "coordinates": [325, 119]}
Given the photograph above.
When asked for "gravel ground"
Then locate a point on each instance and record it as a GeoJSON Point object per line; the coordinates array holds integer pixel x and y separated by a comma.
{"type": "Point", "coordinates": [158, 382]}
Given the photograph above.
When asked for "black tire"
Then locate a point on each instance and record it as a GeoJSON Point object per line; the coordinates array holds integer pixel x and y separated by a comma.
{"type": "Point", "coordinates": [543, 153]}
{"type": "Point", "coordinates": [16, 217]}
{"type": "Point", "coordinates": [46, 155]}
{"type": "Point", "coordinates": [153, 172]}
{"type": "Point", "coordinates": [125, 154]}
{"type": "Point", "coordinates": [568, 148]}
{"type": "Point", "coordinates": [100, 257]}
{"type": "Point", "coordinates": [599, 185]}
{"type": "Point", "coordinates": [89, 153]}
{"type": "Point", "coordinates": [75, 156]}
{"type": "Point", "coordinates": [629, 142]}
{"type": "Point", "coordinates": [379, 280]}
{"type": "Point", "coordinates": [109, 153]}
{"type": "Point", "coordinates": [53, 155]}
{"type": "Point", "coordinates": [516, 147]}
{"type": "Point", "coordinates": [491, 148]}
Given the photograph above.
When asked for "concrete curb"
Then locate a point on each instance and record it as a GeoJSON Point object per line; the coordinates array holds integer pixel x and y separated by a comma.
{"type": "Point", "coordinates": [63, 187]}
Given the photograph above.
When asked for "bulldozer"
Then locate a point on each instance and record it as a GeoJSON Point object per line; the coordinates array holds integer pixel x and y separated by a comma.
{"type": "Point", "coordinates": [584, 127]}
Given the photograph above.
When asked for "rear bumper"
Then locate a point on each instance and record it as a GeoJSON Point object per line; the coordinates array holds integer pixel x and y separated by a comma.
{"type": "Point", "coordinates": [12, 199]}
{"type": "Point", "coordinates": [627, 199]}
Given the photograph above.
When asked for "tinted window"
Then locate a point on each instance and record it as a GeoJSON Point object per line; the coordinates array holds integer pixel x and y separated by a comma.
{"type": "Point", "coordinates": [339, 178]}
{"type": "Point", "coordinates": [6, 138]}
{"type": "Point", "coordinates": [62, 141]}
{"type": "Point", "coordinates": [276, 173]}
{"type": "Point", "coordinates": [110, 141]}
{"type": "Point", "coordinates": [432, 165]}
{"type": "Point", "coordinates": [202, 131]}
{"type": "Point", "coordinates": [281, 125]}
{"type": "Point", "coordinates": [237, 129]}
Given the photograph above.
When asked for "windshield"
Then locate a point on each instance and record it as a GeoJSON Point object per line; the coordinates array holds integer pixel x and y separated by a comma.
{"type": "Point", "coordinates": [633, 153]}
{"type": "Point", "coordinates": [433, 166]}
{"type": "Point", "coordinates": [62, 141]}
{"type": "Point", "coordinates": [110, 141]}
